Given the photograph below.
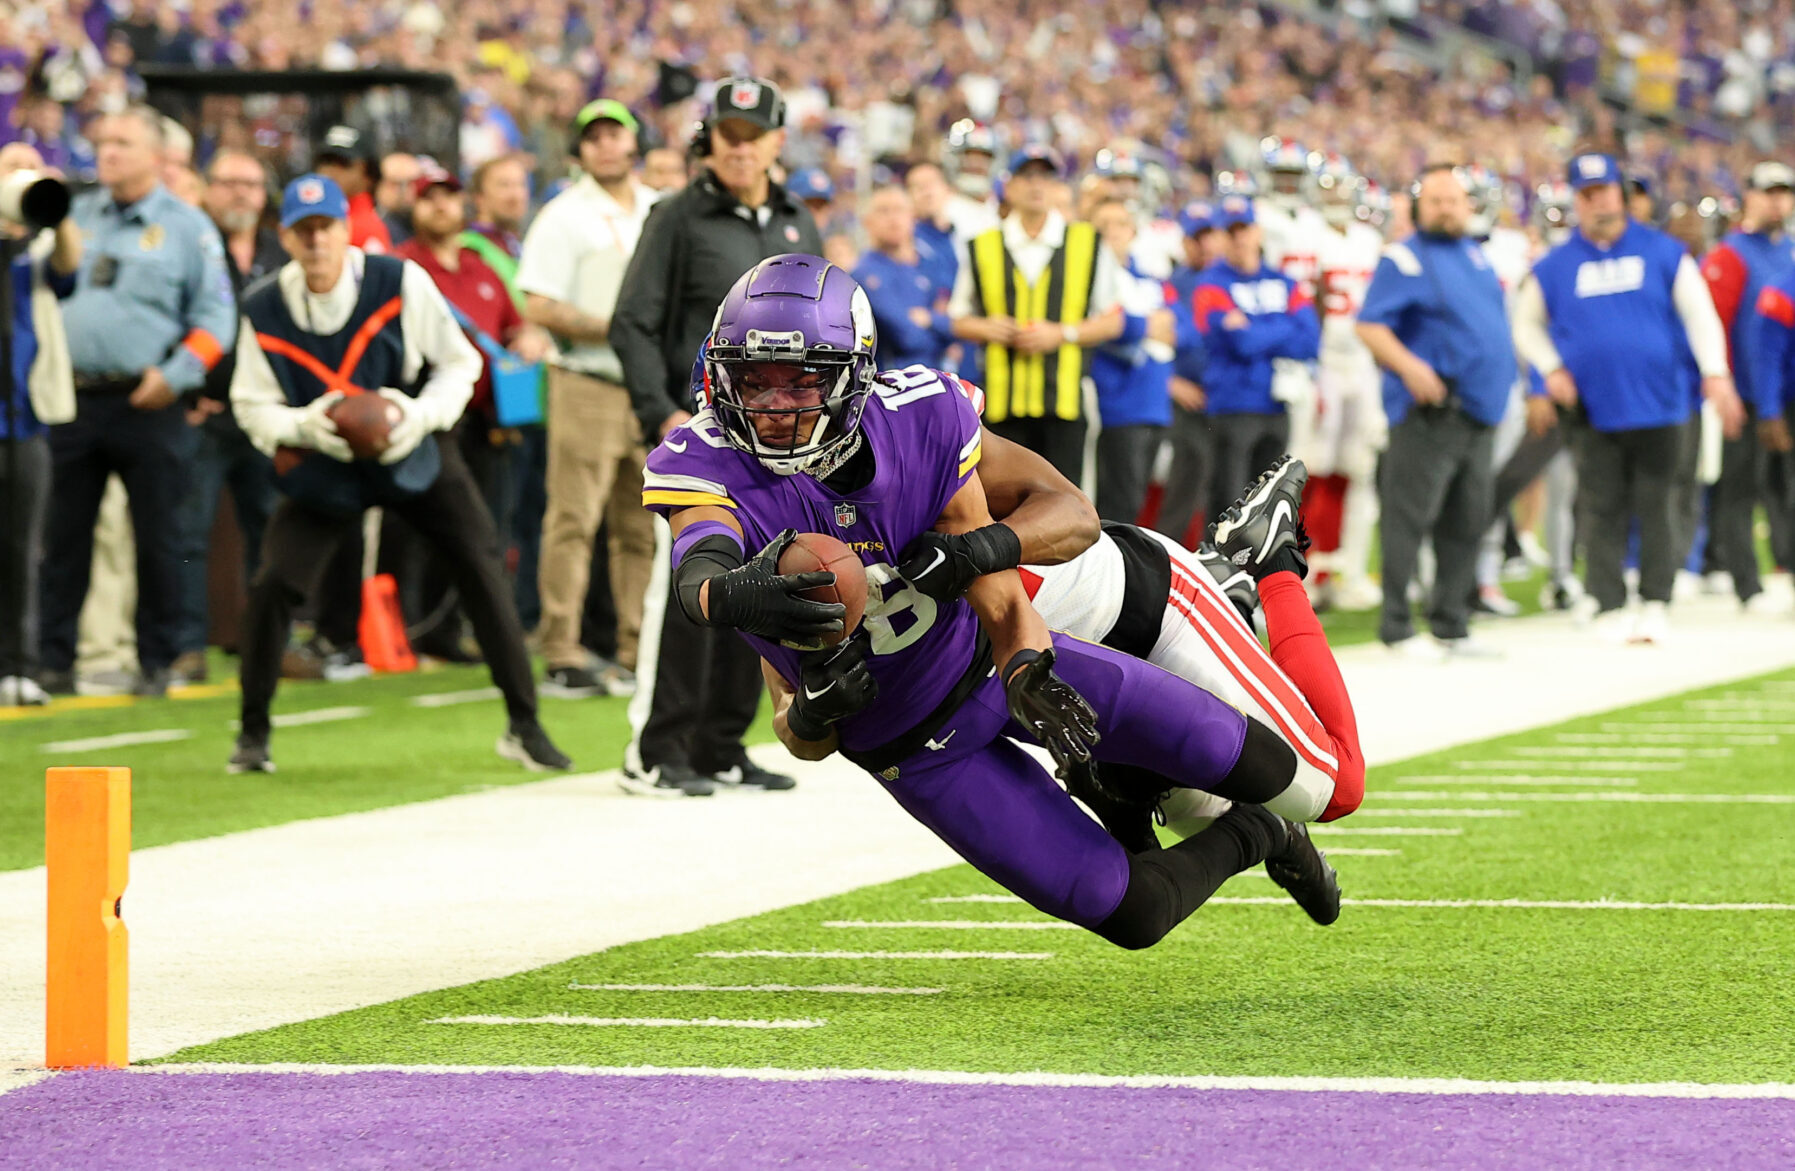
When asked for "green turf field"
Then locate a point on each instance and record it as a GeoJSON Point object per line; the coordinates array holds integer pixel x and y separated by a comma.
{"type": "Point", "coordinates": [1651, 994]}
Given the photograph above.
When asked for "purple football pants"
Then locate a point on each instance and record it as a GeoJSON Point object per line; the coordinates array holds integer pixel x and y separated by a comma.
{"type": "Point", "coordinates": [1004, 813]}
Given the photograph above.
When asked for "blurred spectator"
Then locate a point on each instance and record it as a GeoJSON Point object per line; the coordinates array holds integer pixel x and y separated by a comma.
{"type": "Point", "coordinates": [500, 189]}
{"type": "Point", "coordinates": [1752, 257]}
{"type": "Point", "coordinates": [574, 260]}
{"type": "Point", "coordinates": [907, 304]}
{"type": "Point", "coordinates": [392, 197]}
{"type": "Point", "coordinates": [1435, 319]}
{"type": "Point", "coordinates": [346, 159]}
{"type": "Point", "coordinates": [703, 681]}
{"type": "Point", "coordinates": [1035, 292]}
{"type": "Point", "coordinates": [1609, 319]}
{"type": "Point", "coordinates": [1249, 316]}
{"type": "Point", "coordinates": [664, 170]}
{"type": "Point", "coordinates": [185, 184]}
{"type": "Point", "coordinates": [151, 309]}
{"type": "Point", "coordinates": [936, 246]}
{"type": "Point", "coordinates": [1192, 465]}
{"type": "Point", "coordinates": [38, 391]}
{"type": "Point", "coordinates": [1131, 374]}
{"type": "Point", "coordinates": [487, 129]}
{"type": "Point", "coordinates": [236, 198]}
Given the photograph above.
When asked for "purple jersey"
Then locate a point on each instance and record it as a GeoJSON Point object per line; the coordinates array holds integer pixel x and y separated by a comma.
{"type": "Point", "coordinates": [924, 436]}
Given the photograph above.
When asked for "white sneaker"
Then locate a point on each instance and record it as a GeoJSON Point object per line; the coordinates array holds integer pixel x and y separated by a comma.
{"type": "Point", "coordinates": [1616, 626]}
{"type": "Point", "coordinates": [1357, 595]}
{"type": "Point", "coordinates": [1766, 603]}
{"type": "Point", "coordinates": [1492, 600]}
{"type": "Point", "coordinates": [1422, 650]}
{"type": "Point", "coordinates": [1718, 582]}
{"type": "Point", "coordinates": [1532, 550]}
{"type": "Point", "coordinates": [22, 691]}
{"type": "Point", "coordinates": [1688, 585]}
{"type": "Point", "coordinates": [1654, 624]}
{"type": "Point", "coordinates": [1584, 609]}
{"type": "Point", "coordinates": [1469, 647]}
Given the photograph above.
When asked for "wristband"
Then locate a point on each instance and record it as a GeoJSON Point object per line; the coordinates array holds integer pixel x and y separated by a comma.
{"type": "Point", "coordinates": [994, 548]}
{"type": "Point", "coordinates": [801, 726]}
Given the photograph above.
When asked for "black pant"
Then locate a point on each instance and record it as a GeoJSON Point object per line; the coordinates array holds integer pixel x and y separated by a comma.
{"type": "Point", "coordinates": [1435, 479]}
{"type": "Point", "coordinates": [1622, 475]}
{"type": "Point", "coordinates": [149, 451]}
{"type": "Point", "coordinates": [1124, 465]}
{"type": "Point", "coordinates": [1244, 446]}
{"type": "Point", "coordinates": [706, 691]}
{"type": "Point", "coordinates": [24, 503]}
{"type": "Point", "coordinates": [1187, 483]}
{"type": "Point", "coordinates": [452, 519]}
{"type": "Point", "coordinates": [1059, 441]}
{"type": "Point", "coordinates": [1743, 482]}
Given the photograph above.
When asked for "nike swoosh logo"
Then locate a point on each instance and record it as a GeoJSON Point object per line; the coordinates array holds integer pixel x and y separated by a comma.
{"type": "Point", "coordinates": [940, 556]}
{"type": "Point", "coordinates": [938, 745]}
{"type": "Point", "coordinates": [809, 694]}
{"type": "Point", "coordinates": [1277, 516]}
{"type": "Point", "coordinates": [672, 446]}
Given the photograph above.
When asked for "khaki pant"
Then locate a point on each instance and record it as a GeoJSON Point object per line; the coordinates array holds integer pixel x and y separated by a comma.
{"type": "Point", "coordinates": [108, 630]}
{"type": "Point", "coordinates": [595, 460]}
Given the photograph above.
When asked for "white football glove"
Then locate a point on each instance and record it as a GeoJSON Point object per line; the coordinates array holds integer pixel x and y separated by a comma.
{"type": "Point", "coordinates": [415, 422]}
{"type": "Point", "coordinates": [317, 430]}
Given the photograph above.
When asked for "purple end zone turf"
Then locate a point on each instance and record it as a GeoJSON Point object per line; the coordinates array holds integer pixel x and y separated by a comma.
{"type": "Point", "coordinates": [366, 1120]}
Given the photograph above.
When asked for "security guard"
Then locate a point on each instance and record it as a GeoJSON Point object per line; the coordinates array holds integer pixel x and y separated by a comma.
{"type": "Point", "coordinates": [336, 321]}
{"type": "Point", "coordinates": [1035, 291]}
{"type": "Point", "coordinates": [151, 314]}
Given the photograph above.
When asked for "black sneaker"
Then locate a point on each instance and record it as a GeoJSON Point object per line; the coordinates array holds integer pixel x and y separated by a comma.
{"type": "Point", "coordinates": [153, 685]}
{"type": "Point", "coordinates": [1304, 872]}
{"type": "Point", "coordinates": [251, 755]}
{"type": "Point", "coordinates": [529, 745]}
{"type": "Point", "coordinates": [1237, 584]}
{"type": "Point", "coordinates": [57, 682]}
{"type": "Point", "coordinates": [748, 775]}
{"type": "Point", "coordinates": [570, 683]}
{"type": "Point", "coordinates": [667, 780]}
{"type": "Point", "coordinates": [1266, 521]}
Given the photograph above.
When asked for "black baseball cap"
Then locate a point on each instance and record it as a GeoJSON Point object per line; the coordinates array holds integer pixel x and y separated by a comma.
{"type": "Point", "coordinates": [752, 99]}
{"type": "Point", "coordinates": [343, 142]}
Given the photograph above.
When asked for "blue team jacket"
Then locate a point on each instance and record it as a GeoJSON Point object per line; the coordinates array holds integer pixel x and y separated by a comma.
{"type": "Point", "coordinates": [1281, 323]}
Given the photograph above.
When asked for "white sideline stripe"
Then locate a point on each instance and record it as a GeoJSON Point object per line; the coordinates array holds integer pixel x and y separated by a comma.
{"type": "Point", "coordinates": [973, 899]}
{"type": "Point", "coordinates": [1342, 1085]}
{"type": "Point", "coordinates": [845, 989]}
{"type": "Point", "coordinates": [1738, 705]}
{"type": "Point", "coordinates": [1513, 779]}
{"type": "Point", "coordinates": [1642, 798]}
{"type": "Point", "coordinates": [323, 715]}
{"type": "Point", "coordinates": [18, 1079]}
{"type": "Point", "coordinates": [1609, 753]}
{"type": "Point", "coordinates": [451, 698]}
{"type": "Point", "coordinates": [1369, 812]}
{"type": "Point", "coordinates": [1385, 831]}
{"type": "Point", "coordinates": [1644, 766]}
{"type": "Point", "coordinates": [645, 1022]}
{"type": "Point", "coordinates": [1343, 852]}
{"type": "Point", "coordinates": [121, 740]}
{"type": "Point", "coordinates": [1663, 738]}
{"type": "Point", "coordinates": [876, 955]}
{"type": "Point", "coordinates": [1699, 729]}
{"type": "Point", "coordinates": [959, 924]}
{"type": "Point", "coordinates": [1522, 904]}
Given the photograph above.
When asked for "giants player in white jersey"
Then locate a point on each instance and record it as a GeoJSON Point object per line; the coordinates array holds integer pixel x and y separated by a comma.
{"type": "Point", "coordinates": [1140, 180]}
{"type": "Point", "coordinates": [1293, 233]}
{"type": "Point", "coordinates": [1340, 506]}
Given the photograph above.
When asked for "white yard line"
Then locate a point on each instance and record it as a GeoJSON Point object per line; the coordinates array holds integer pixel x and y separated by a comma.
{"type": "Point", "coordinates": [1630, 798]}
{"type": "Point", "coordinates": [876, 955]}
{"type": "Point", "coordinates": [625, 1022]}
{"type": "Point", "coordinates": [1515, 779]}
{"type": "Point", "coordinates": [956, 924]}
{"type": "Point", "coordinates": [1518, 904]}
{"type": "Point", "coordinates": [1645, 750]}
{"type": "Point", "coordinates": [830, 989]}
{"type": "Point", "coordinates": [1732, 707]}
{"type": "Point", "coordinates": [1663, 738]}
{"type": "Point", "coordinates": [121, 740]}
{"type": "Point", "coordinates": [1346, 1085]}
{"type": "Point", "coordinates": [1383, 831]}
{"type": "Point", "coordinates": [1594, 766]}
{"type": "Point", "coordinates": [1374, 811]}
{"type": "Point", "coordinates": [1714, 729]}
{"type": "Point", "coordinates": [322, 715]}
{"type": "Point", "coordinates": [451, 698]}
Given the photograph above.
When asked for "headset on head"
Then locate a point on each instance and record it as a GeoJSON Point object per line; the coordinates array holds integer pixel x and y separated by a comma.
{"type": "Point", "coordinates": [1459, 172]}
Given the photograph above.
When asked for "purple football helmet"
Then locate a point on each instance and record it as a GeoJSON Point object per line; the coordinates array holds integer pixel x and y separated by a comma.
{"type": "Point", "coordinates": [800, 311]}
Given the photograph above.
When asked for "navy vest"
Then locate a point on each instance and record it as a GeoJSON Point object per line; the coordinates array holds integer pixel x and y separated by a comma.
{"type": "Point", "coordinates": [365, 355]}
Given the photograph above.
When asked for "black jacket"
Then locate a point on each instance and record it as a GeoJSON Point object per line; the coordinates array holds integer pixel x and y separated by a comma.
{"type": "Point", "coordinates": [694, 246]}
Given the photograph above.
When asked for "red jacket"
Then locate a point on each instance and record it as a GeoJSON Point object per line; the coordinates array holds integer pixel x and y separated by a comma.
{"type": "Point", "coordinates": [480, 294]}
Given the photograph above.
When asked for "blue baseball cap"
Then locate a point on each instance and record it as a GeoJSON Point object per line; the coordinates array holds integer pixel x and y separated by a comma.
{"type": "Point", "coordinates": [1197, 217]}
{"type": "Point", "coordinates": [1235, 211]}
{"type": "Point", "coordinates": [1592, 170]}
{"type": "Point", "coordinates": [811, 183]}
{"type": "Point", "coordinates": [312, 195]}
{"type": "Point", "coordinates": [1037, 152]}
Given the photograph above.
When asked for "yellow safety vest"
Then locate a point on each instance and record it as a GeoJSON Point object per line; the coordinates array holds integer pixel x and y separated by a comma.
{"type": "Point", "coordinates": [1016, 384]}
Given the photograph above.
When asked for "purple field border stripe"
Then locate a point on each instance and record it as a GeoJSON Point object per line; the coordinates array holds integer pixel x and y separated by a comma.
{"type": "Point", "coordinates": [389, 1119]}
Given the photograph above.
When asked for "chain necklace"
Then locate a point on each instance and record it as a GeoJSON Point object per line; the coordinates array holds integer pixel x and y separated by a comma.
{"type": "Point", "coordinates": [830, 462]}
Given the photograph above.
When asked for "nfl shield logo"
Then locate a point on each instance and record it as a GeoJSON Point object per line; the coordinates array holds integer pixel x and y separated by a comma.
{"type": "Point", "coordinates": [845, 516]}
{"type": "Point", "coordinates": [311, 191]}
{"type": "Point", "coordinates": [791, 233]}
{"type": "Point", "coordinates": [744, 95]}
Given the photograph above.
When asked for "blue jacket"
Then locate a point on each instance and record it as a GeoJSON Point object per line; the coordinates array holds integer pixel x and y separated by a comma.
{"type": "Point", "coordinates": [1774, 340]}
{"type": "Point", "coordinates": [1441, 298]}
{"type": "Point", "coordinates": [1738, 270]}
{"type": "Point", "coordinates": [895, 289]}
{"type": "Point", "coordinates": [1281, 323]}
{"type": "Point", "coordinates": [1192, 358]}
{"type": "Point", "coordinates": [1133, 387]}
{"type": "Point", "coordinates": [1612, 318]}
{"type": "Point", "coordinates": [24, 345]}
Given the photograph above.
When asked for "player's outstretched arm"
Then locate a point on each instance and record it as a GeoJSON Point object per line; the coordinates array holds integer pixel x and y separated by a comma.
{"type": "Point", "coordinates": [833, 684]}
{"type": "Point", "coordinates": [716, 587]}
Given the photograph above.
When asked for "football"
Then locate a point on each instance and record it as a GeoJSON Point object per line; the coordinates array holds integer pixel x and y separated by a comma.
{"type": "Point", "coordinates": [813, 551]}
{"type": "Point", "coordinates": [364, 421]}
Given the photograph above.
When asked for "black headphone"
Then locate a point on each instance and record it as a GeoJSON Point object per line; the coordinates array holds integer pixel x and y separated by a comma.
{"type": "Point", "coordinates": [700, 146]}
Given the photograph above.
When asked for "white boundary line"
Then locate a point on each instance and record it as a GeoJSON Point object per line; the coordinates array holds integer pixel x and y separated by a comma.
{"type": "Point", "coordinates": [959, 924]}
{"type": "Point", "coordinates": [844, 989]}
{"type": "Point", "coordinates": [645, 1022]}
{"type": "Point", "coordinates": [1641, 798]}
{"type": "Point", "coordinates": [1348, 1085]}
{"type": "Point", "coordinates": [1519, 904]}
{"type": "Point", "coordinates": [1633, 751]}
{"type": "Point", "coordinates": [1645, 766]}
{"type": "Point", "coordinates": [1385, 831]}
{"type": "Point", "coordinates": [1511, 779]}
{"type": "Point", "coordinates": [18, 1079]}
{"type": "Point", "coordinates": [1699, 729]}
{"type": "Point", "coordinates": [1734, 738]}
{"type": "Point", "coordinates": [876, 955]}
{"type": "Point", "coordinates": [121, 740]}
{"type": "Point", "coordinates": [1373, 811]}
{"type": "Point", "coordinates": [451, 698]}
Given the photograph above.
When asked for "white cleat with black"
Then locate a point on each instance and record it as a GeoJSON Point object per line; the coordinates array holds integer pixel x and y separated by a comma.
{"type": "Point", "coordinates": [1262, 533]}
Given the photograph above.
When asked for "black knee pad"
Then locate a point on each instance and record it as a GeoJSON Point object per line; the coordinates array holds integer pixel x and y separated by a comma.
{"type": "Point", "coordinates": [1265, 768]}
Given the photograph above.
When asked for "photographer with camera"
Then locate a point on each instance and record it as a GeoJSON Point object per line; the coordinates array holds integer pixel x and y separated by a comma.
{"type": "Point", "coordinates": [41, 249]}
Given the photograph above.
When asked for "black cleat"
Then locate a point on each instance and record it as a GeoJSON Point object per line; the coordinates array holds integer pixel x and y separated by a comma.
{"type": "Point", "coordinates": [748, 775]}
{"type": "Point", "coordinates": [251, 755]}
{"type": "Point", "coordinates": [1267, 521]}
{"type": "Point", "coordinates": [1304, 872]}
{"type": "Point", "coordinates": [667, 780]}
{"type": "Point", "coordinates": [527, 744]}
{"type": "Point", "coordinates": [1237, 584]}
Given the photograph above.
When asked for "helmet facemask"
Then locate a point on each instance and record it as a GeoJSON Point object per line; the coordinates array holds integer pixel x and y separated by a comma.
{"type": "Point", "coordinates": [807, 403]}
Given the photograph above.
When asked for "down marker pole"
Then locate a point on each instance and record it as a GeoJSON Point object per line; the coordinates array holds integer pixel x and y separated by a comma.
{"type": "Point", "coordinates": [87, 852]}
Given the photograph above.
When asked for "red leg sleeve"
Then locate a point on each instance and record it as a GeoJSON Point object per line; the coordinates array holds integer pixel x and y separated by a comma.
{"type": "Point", "coordinates": [1301, 651]}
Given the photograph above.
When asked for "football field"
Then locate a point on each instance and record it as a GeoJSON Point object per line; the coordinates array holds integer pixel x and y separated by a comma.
{"type": "Point", "coordinates": [1564, 947]}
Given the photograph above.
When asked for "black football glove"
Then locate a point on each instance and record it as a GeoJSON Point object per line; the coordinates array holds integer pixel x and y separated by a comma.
{"type": "Point", "coordinates": [943, 565]}
{"type": "Point", "coordinates": [756, 598]}
{"type": "Point", "coordinates": [832, 685]}
{"type": "Point", "coordinates": [1052, 711]}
